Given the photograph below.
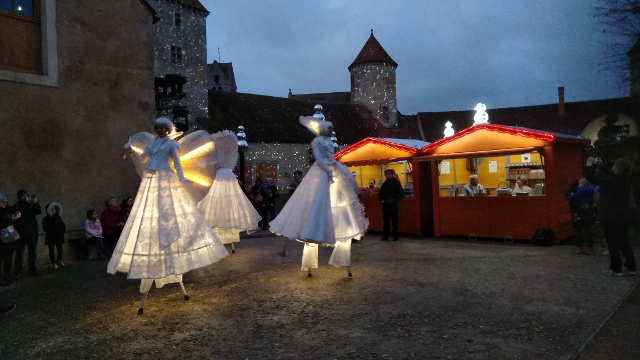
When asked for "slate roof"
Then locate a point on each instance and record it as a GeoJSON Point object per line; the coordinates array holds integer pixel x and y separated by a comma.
{"type": "Point", "coordinates": [271, 119]}
{"type": "Point", "coordinates": [194, 4]}
{"type": "Point", "coordinates": [372, 51]}
{"type": "Point", "coordinates": [226, 68]}
{"type": "Point", "coordinates": [543, 117]}
{"type": "Point", "coordinates": [338, 97]}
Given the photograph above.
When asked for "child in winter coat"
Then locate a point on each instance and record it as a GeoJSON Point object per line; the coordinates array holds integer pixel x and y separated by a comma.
{"type": "Point", "coordinates": [93, 231]}
{"type": "Point", "coordinates": [54, 230]}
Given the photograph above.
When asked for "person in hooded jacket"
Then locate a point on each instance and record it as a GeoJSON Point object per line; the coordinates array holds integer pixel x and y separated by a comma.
{"type": "Point", "coordinates": [54, 230]}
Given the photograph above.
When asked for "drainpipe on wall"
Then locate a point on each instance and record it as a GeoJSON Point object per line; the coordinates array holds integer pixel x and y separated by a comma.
{"type": "Point", "coordinates": [561, 100]}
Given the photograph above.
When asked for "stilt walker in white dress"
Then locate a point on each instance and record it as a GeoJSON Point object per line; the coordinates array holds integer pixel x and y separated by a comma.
{"type": "Point", "coordinates": [324, 209]}
{"type": "Point", "coordinates": [165, 235]}
{"type": "Point", "coordinates": [226, 207]}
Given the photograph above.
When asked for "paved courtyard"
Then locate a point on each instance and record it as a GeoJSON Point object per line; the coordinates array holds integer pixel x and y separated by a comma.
{"type": "Point", "coordinates": [433, 299]}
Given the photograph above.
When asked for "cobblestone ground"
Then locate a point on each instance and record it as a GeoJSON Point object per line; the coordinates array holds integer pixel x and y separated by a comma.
{"type": "Point", "coordinates": [420, 299]}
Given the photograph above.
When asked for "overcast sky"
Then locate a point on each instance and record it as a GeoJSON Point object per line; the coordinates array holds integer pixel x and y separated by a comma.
{"type": "Point", "coordinates": [451, 54]}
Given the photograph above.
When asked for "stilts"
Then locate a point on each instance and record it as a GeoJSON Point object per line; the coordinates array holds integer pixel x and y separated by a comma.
{"type": "Point", "coordinates": [309, 273]}
{"type": "Point", "coordinates": [233, 249]}
{"type": "Point", "coordinates": [144, 299]}
{"type": "Point", "coordinates": [349, 270]}
{"type": "Point", "coordinates": [184, 291]}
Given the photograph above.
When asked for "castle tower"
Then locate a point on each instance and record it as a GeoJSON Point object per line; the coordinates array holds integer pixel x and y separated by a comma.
{"type": "Point", "coordinates": [373, 82]}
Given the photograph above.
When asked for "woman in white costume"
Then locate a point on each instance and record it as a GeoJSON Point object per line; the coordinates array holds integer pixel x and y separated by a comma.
{"type": "Point", "coordinates": [165, 235]}
{"type": "Point", "coordinates": [324, 209]}
{"type": "Point", "coordinates": [226, 207]}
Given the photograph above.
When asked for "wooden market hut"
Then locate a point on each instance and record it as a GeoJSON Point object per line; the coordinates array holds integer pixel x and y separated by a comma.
{"type": "Point", "coordinates": [368, 158]}
{"type": "Point", "coordinates": [498, 154]}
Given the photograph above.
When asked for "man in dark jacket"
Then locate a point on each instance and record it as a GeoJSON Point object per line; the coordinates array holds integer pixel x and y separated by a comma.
{"type": "Point", "coordinates": [27, 227]}
{"type": "Point", "coordinates": [391, 192]}
{"type": "Point", "coordinates": [614, 212]}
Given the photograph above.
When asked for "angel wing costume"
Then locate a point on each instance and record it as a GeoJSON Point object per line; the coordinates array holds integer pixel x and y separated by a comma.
{"type": "Point", "coordinates": [166, 236]}
{"type": "Point", "coordinates": [226, 207]}
{"type": "Point", "coordinates": [324, 209]}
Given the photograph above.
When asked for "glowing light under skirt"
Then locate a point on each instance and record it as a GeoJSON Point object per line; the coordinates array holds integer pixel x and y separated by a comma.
{"type": "Point", "coordinates": [162, 200]}
{"type": "Point", "coordinates": [226, 206]}
{"type": "Point", "coordinates": [323, 213]}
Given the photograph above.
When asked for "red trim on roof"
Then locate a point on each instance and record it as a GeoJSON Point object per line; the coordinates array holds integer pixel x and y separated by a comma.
{"type": "Point", "coordinates": [376, 161]}
{"type": "Point", "coordinates": [375, 141]}
{"type": "Point", "coordinates": [491, 127]}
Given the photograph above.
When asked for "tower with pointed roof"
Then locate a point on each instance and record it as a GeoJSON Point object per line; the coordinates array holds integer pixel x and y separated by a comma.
{"type": "Point", "coordinates": [373, 82]}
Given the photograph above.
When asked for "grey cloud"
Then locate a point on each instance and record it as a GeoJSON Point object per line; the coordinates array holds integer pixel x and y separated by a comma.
{"type": "Point", "coordinates": [451, 54]}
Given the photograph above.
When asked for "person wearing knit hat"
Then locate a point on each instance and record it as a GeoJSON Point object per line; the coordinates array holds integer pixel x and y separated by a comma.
{"type": "Point", "coordinates": [28, 228]}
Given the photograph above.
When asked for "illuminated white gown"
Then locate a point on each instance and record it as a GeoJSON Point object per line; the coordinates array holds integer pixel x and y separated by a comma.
{"type": "Point", "coordinates": [226, 207]}
{"type": "Point", "coordinates": [165, 235]}
{"type": "Point", "coordinates": [323, 212]}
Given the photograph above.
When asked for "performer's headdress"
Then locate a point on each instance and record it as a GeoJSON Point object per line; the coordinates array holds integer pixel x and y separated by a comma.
{"type": "Point", "coordinates": [163, 121]}
{"type": "Point", "coordinates": [316, 126]}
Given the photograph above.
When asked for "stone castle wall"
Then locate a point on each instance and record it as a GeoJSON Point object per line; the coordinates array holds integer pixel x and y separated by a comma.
{"type": "Point", "coordinates": [374, 86]}
{"type": "Point", "coordinates": [191, 36]}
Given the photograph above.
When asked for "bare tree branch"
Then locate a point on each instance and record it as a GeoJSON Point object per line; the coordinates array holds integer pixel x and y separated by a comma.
{"type": "Point", "coordinates": [621, 20]}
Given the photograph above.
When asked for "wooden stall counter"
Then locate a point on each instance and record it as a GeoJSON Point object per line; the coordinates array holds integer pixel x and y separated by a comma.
{"type": "Point", "coordinates": [492, 216]}
{"type": "Point", "coordinates": [408, 216]}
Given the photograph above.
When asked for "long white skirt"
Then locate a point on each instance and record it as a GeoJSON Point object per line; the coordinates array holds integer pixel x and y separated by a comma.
{"type": "Point", "coordinates": [321, 212]}
{"type": "Point", "coordinates": [227, 209]}
{"type": "Point", "coordinates": [165, 234]}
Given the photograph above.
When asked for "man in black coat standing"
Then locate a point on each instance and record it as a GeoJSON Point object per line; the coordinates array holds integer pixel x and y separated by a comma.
{"type": "Point", "coordinates": [614, 212]}
{"type": "Point", "coordinates": [27, 227]}
{"type": "Point", "coordinates": [391, 192]}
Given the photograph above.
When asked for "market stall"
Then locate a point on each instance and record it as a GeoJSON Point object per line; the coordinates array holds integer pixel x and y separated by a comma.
{"type": "Point", "coordinates": [369, 158]}
{"type": "Point", "coordinates": [498, 155]}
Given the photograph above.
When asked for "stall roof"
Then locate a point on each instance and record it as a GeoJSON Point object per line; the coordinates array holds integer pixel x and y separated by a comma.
{"type": "Point", "coordinates": [379, 151]}
{"type": "Point", "coordinates": [418, 144]}
{"type": "Point", "coordinates": [541, 135]}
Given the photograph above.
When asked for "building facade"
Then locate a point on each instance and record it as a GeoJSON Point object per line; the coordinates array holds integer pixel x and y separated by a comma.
{"type": "Point", "coordinates": [221, 77]}
{"type": "Point", "coordinates": [65, 119]}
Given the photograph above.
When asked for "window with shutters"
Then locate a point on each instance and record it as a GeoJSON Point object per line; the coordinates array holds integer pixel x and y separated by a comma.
{"type": "Point", "coordinates": [21, 40]}
{"type": "Point", "coordinates": [28, 42]}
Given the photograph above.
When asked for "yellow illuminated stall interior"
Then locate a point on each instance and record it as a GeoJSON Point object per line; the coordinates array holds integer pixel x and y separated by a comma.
{"type": "Point", "coordinates": [376, 172]}
{"type": "Point", "coordinates": [493, 172]}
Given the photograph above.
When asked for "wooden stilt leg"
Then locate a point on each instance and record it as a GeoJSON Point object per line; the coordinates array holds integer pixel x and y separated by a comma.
{"type": "Point", "coordinates": [349, 270]}
{"type": "Point", "coordinates": [233, 249]}
{"type": "Point", "coordinates": [144, 299]}
{"type": "Point", "coordinates": [184, 291]}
